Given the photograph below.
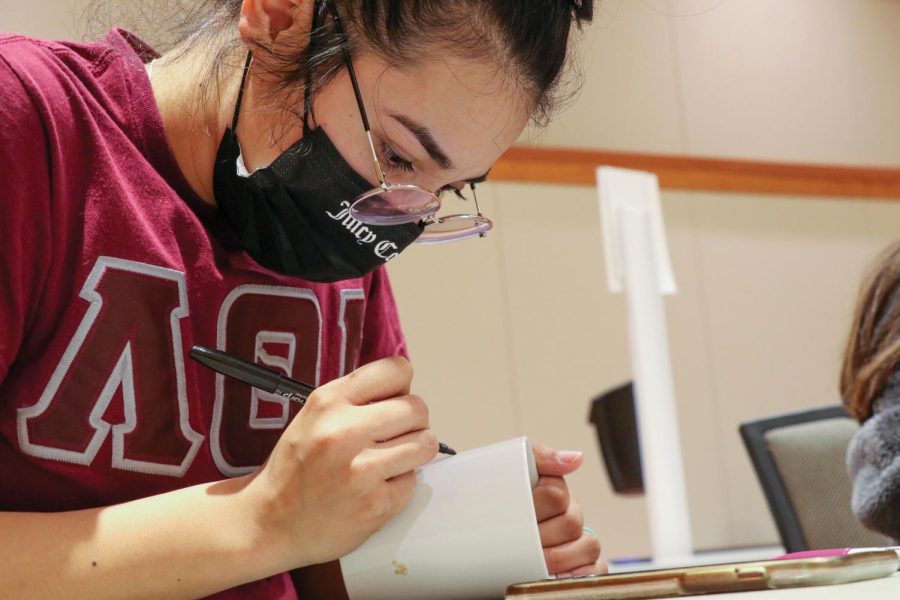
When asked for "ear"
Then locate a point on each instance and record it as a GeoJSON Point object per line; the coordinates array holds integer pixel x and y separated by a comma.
{"type": "Point", "coordinates": [264, 20]}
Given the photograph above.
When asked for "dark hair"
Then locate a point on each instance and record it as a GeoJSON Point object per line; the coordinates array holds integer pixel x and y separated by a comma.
{"type": "Point", "coordinates": [527, 39]}
{"type": "Point", "coordinates": [873, 347]}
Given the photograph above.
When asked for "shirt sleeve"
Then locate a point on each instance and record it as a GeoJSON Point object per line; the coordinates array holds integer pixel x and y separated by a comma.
{"type": "Point", "coordinates": [382, 334]}
{"type": "Point", "coordinates": [24, 214]}
{"type": "Point", "coordinates": [874, 462]}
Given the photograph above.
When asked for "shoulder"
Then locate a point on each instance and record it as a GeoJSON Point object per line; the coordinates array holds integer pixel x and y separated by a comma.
{"type": "Point", "coordinates": [23, 131]}
{"type": "Point", "coordinates": [380, 296]}
{"type": "Point", "coordinates": [18, 107]}
{"type": "Point", "coordinates": [877, 441]}
{"type": "Point", "coordinates": [42, 61]}
{"type": "Point", "coordinates": [383, 331]}
{"type": "Point", "coordinates": [33, 93]}
{"type": "Point", "coordinates": [378, 283]}
{"type": "Point", "coordinates": [46, 68]}
{"type": "Point", "coordinates": [873, 459]}
{"type": "Point", "coordinates": [66, 84]}
{"type": "Point", "coordinates": [874, 464]}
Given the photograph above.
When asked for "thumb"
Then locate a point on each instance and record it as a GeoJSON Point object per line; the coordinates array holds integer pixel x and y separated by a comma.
{"type": "Point", "coordinates": [556, 462]}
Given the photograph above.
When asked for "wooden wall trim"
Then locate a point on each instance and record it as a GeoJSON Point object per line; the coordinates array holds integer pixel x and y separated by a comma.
{"type": "Point", "coordinates": [578, 167]}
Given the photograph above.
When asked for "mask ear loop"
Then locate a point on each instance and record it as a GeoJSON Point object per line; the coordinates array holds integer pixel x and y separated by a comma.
{"type": "Point", "coordinates": [240, 96]}
{"type": "Point", "coordinates": [307, 85]}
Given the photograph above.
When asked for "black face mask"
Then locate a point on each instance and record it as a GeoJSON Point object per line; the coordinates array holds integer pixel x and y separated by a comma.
{"type": "Point", "coordinates": [293, 216]}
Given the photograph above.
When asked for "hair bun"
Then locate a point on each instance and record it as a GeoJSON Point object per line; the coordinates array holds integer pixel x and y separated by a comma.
{"type": "Point", "coordinates": [582, 10]}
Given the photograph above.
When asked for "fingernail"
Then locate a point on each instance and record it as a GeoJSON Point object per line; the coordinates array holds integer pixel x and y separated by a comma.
{"type": "Point", "coordinates": [563, 575]}
{"type": "Point", "coordinates": [568, 456]}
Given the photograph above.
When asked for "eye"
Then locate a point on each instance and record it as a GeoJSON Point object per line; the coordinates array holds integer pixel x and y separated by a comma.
{"type": "Point", "coordinates": [451, 188]}
{"type": "Point", "coordinates": [394, 161]}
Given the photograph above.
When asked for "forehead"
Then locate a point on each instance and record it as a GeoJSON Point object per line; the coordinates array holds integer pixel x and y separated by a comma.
{"type": "Point", "coordinates": [472, 110]}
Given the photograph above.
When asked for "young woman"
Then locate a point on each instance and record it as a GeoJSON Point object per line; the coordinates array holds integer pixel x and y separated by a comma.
{"type": "Point", "coordinates": [870, 386]}
{"type": "Point", "coordinates": [241, 191]}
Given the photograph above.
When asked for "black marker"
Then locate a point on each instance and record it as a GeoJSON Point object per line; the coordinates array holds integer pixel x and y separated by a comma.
{"type": "Point", "coordinates": [265, 379]}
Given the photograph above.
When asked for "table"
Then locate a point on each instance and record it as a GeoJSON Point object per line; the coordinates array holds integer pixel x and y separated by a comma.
{"type": "Point", "coordinates": [874, 589]}
{"type": "Point", "coordinates": [885, 588]}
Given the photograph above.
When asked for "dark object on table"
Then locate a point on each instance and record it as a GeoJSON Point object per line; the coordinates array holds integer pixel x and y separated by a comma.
{"type": "Point", "coordinates": [613, 416]}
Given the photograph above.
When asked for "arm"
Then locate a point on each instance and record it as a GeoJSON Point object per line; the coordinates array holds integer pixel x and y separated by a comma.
{"type": "Point", "coordinates": [382, 336]}
{"type": "Point", "coordinates": [342, 468]}
{"type": "Point", "coordinates": [187, 543]}
{"type": "Point", "coordinates": [874, 464]}
{"type": "Point", "coordinates": [25, 215]}
{"type": "Point", "coordinates": [382, 333]}
{"type": "Point", "coordinates": [139, 547]}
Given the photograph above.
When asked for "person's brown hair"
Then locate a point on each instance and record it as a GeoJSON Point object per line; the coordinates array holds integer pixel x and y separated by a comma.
{"type": "Point", "coordinates": [528, 40]}
{"type": "Point", "coordinates": [873, 347]}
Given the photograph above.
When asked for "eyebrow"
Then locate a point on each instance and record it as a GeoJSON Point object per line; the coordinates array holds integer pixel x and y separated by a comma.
{"type": "Point", "coordinates": [423, 134]}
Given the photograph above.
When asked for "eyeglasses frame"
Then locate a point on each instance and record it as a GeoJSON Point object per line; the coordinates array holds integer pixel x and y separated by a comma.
{"type": "Point", "coordinates": [428, 218]}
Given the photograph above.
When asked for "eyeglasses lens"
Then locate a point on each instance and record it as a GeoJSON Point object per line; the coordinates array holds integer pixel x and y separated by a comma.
{"type": "Point", "coordinates": [395, 206]}
{"type": "Point", "coordinates": [402, 204]}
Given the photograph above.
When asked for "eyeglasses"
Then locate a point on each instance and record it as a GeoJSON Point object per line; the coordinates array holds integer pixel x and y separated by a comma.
{"type": "Point", "coordinates": [404, 203]}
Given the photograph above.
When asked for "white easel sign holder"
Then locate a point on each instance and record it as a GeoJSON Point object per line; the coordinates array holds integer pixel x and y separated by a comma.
{"type": "Point", "coordinates": [637, 262]}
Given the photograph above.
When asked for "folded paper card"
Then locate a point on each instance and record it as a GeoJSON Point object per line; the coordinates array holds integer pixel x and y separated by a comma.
{"type": "Point", "coordinates": [468, 532]}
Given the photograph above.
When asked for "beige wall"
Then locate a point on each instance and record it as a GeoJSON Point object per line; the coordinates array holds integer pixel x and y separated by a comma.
{"type": "Point", "coordinates": [58, 19]}
{"type": "Point", "coordinates": [767, 284]}
{"type": "Point", "coordinates": [804, 80]}
{"type": "Point", "coordinates": [515, 333]}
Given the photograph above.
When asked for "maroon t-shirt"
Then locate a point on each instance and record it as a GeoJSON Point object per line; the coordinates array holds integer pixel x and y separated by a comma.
{"type": "Point", "coordinates": [111, 268]}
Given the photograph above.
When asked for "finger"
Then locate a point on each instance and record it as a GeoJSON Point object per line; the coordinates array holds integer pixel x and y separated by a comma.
{"type": "Point", "coordinates": [563, 528]}
{"type": "Point", "coordinates": [598, 568]}
{"type": "Point", "coordinates": [404, 453]}
{"type": "Point", "coordinates": [556, 462]}
{"type": "Point", "coordinates": [551, 497]}
{"type": "Point", "coordinates": [402, 487]}
{"type": "Point", "coordinates": [385, 378]}
{"type": "Point", "coordinates": [572, 555]}
{"type": "Point", "coordinates": [388, 419]}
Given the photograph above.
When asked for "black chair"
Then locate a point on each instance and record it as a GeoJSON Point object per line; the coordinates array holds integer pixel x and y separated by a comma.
{"type": "Point", "coordinates": [800, 461]}
{"type": "Point", "coordinates": [612, 414]}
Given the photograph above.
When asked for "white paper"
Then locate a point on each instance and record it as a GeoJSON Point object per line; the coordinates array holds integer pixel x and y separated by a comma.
{"type": "Point", "coordinates": [469, 531]}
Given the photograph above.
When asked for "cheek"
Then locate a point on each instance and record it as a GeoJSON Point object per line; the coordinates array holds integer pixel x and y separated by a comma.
{"type": "Point", "coordinates": [338, 115]}
{"type": "Point", "coordinates": [354, 148]}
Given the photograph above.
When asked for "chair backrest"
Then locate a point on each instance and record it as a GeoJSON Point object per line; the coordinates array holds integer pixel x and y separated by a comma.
{"type": "Point", "coordinates": [800, 460]}
{"type": "Point", "coordinates": [612, 414]}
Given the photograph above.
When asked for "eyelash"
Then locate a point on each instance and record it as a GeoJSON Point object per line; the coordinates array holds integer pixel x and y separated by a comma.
{"type": "Point", "coordinates": [394, 161]}
{"type": "Point", "coordinates": [450, 188]}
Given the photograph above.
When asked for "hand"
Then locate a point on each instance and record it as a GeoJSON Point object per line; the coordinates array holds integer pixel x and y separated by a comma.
{"type": "Point", "coordinates": [344, 465]}
{"type": "Point", "coordinates": [569, 550]}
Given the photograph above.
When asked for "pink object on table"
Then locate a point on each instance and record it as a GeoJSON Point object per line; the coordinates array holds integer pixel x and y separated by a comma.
{"type": "Point", "coordinates": [833, 552]}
